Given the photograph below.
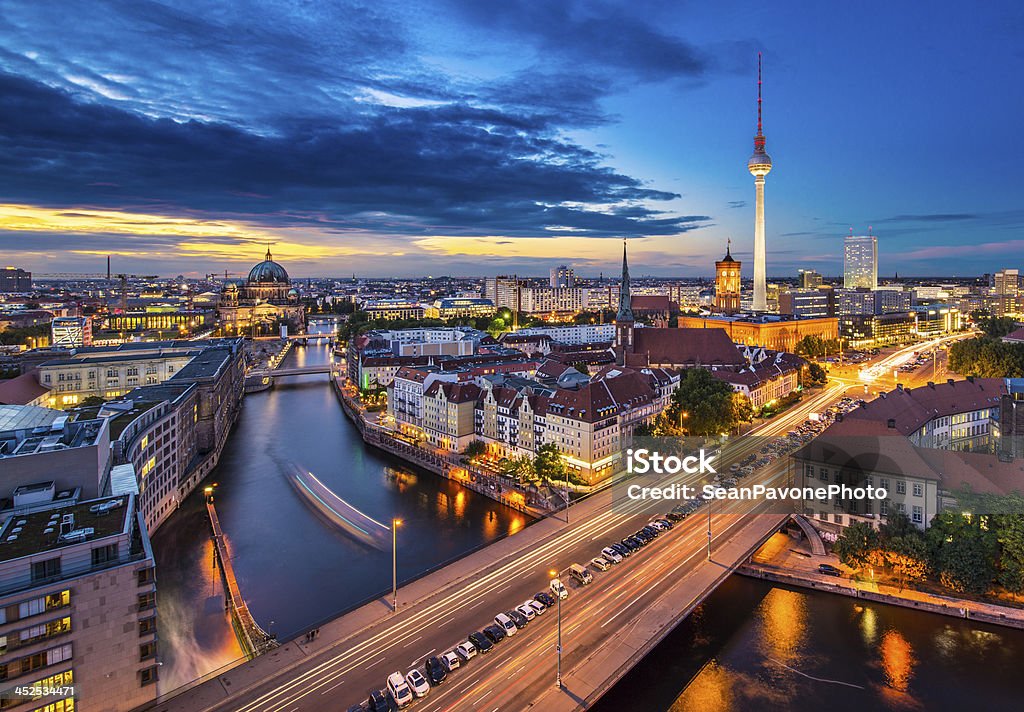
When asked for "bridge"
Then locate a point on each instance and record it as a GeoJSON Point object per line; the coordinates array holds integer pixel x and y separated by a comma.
{"type": "Point", "coordinates": [606, 627]}
{"type": "Point", "coordinates": [253, 639]}
{"type": "Point", "coordinates": [294, 371]}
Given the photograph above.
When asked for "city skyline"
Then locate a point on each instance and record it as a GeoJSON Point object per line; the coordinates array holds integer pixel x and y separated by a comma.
{"type": "Point", "coordinates": [169, 143]}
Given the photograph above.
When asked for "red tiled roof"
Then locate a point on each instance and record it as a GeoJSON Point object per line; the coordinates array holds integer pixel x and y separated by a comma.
{"type": "Point", "coordinates": [684, 347]}
{"type": "Point", "coordinates": [911, 408]}
{"type": "Point", "coordinates": [21, 390]}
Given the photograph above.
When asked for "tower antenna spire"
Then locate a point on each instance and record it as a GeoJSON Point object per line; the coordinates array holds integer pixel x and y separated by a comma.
{"type": "Point", "coordinates": [759, 132]}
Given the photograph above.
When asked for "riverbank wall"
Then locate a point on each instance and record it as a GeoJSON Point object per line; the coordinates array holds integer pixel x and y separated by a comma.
{"type": "Point", "coordinates": [955, 608]}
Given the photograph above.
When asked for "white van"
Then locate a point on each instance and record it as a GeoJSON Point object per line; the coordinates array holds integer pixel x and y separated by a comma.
{"type": "Point", "coordinates": [507, 624]}
{"type": "Point", "coordinates": [558, 589]}
{"type": "Point", "coordinates": [581, 574]}
{"type": "Point", "coordinates": [399, 689]}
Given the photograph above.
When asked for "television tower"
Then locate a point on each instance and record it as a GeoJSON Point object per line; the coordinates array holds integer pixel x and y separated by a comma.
{"type": "Point", "coordinates": [759, 165]}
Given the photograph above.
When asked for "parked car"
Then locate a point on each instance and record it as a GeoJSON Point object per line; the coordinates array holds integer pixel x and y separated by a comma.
{"type": "Point", "coordinates": [829, 570]}
{"type": "Point", "coordinates": [451, 661]}
{"type": "Point", "coordinates": [507, 624]}
{"type": "Point", "coordinates": [419, 685]}
{"type": "Point", "coordinates": [466, 651]}
{"type": "Point", "coordinates": [399, 690]}
{"type": "Point", "coordinates": [357, 708]}
{"type": "Point", "coordinates": [436, 670]}
{"type": "Point", "coordinates": [538, 607]}
{"type": "Point", "coordinates": [545, 598]}
{"type": "Point", "coordinates": [621, 549]}
{"type": "Point", "coordinates": [518, 618]}
{"type": "Point", "coordinates": [581, 574]}
{"type": "Point", "coordinates": [527, 611]}
{"type": "Point", "coordinates": [481, 642]}
{"type": "Point", "coordinates": [558, 588]}
{"type": "Point", "coordinates": [495, 633]}
{"type": "Point", "coordinates": [600, 563]}
{"type": "Point", "coordinates": [611, 555]}
{"type": "Point", "coordinates": [378, 702]}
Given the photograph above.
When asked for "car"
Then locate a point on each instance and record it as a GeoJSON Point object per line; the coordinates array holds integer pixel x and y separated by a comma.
{"type": "Point", "coordinates": [436, 670]}
{"type": "Point", "coordinates": [664, 522]}
{"type": "Point", "coordinates": [657, 524]}
{"type": "Point", "coordinates": [399, 690]}
{"type": "Point", "coordinates": [419, 685]}
{"type": "Point", "coordinates": [829, 570]}
{"type": "Point", "coordinates": [558, 588]}
{"type": "Point", "coordinates": [495, 633]}
{"type": "Point", "coordinates": [538, 607]}
{"type": "Point", "coordinates": [527, 611]}
{"type": "Point", "coordinates": [632, 544]}
{"type": "Point", "coordinates": [544, 598]}
{"type": "Point", "coordinates": [676, 515]}
{"type": "Point", "coordinates": [450, 661]}
{"type": "Point", "coordinates": [611, 555]}
{"type": "Point", "coordinates": [481, 642]}
{"type": "Point", "coordinates": [600, 563]}
{"type": "Point", "coordinates": [518, 618]}
{"type": "Point", "coordinates": [507, 624]}
{"type": "Point", "coordinates": [580, 573]}
{"type": "Point", "coordinates": [651, 530]}
{"type": "Point", "coordinates": [378, 702]}
{"type": "Point", "coordinates": [466, 651]}
{"type": "Point", "coordinates": [620, 549]}
{"type": "Point", "coordinates": [357, 708]}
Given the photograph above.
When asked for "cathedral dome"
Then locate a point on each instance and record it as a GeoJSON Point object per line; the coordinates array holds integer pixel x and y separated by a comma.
{"type": "Point", "coordinates": [268, 272]}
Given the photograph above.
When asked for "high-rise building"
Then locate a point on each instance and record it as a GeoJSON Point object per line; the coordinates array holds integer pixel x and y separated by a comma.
{"type": "Point", "coordinates": [562, 277]}
{"type": "Point", "coordinates": [809, 279]}
{"type": "Point", "coordinates": [1006, 283]}
{"type": "Point", "coordinates": [759, 165]}
{"type": "Point", "coordinates": [860, 261]}
{"type": "Point", "coordinates": [503, 291]}
{"type": "Point", "coordinates": [13, 279]}
{"type": "Point", "coordinates": [727, 282]}
{"type": "Point", "coordinates": [805, 303]}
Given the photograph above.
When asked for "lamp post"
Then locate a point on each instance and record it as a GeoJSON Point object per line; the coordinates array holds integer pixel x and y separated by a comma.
{"type": "Point", "coordinates": [711, 503]}
{"type": "Point", "coordinates": [682, 414]}
{"type": "Point", "coordinates": [395, 523]}
{"type": "Point", "coordinates": [558, 648]}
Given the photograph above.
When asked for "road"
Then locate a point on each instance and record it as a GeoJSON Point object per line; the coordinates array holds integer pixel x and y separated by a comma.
{"type": "Point", "coordinates": [342, 667]}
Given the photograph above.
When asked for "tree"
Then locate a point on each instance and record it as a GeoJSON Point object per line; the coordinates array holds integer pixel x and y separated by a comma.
{"type": "Point", "coordinates": [1010, 534]}
{"type": "Point", "coordinates": [961, 553]}
{"type": "Point", "coordinates": [897, 524]}
{"type": "Point", "coordinates": [703, 404]}
{"type": "Point", "coordinates": [92, 401]}
{"type": "Point", "coordinates": [907, 556]}
{"type": "Point", "coordinates": [814, 375]}
{"type": "Point", "coordinates": [549, 464]}
{"type": "Point", "coordinates": [474, 450]}
{"type": "Point", "coordinates": [855, 544]}
{"type": "Point", "coordinates": [743, 409]}
{"type": "Point", "coordinates": [520, 469]}
{"type": "Point", "coordinates": [497, 326]}
{"type": "Point", "coordinates": [816, 347]}
{"type": "Point", "coordinates": [997, 327]}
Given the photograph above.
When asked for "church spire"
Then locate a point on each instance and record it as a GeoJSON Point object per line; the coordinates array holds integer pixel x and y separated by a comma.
{"type": "Point", "coordinates": [625, 298]}
{"type": "Point", "coordinates": [269, 258]}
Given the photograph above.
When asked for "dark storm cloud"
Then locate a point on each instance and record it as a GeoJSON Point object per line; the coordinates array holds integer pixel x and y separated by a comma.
{"type": "Point", "coordinates": [454, 168]}
{"type": "Point", "coordinates": [586, 32]}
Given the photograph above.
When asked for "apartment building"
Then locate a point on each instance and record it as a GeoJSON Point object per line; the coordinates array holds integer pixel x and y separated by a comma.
{"type": "Point", "coordinates": [77, 607]}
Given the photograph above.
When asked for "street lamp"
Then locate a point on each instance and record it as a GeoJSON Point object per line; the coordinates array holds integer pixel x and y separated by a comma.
{"type": "Point", "coordinates": [682, 414]}
{"type": "Point", "coordinates": [558, 649]}
{"type": "Point", "coordinates": [395, 523]}
{"type": "Point", "coordinates": [711, 503]}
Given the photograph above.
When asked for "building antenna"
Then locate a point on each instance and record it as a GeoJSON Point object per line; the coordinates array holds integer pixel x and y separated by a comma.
{"type": "Point", "coordinates": [758, 93]}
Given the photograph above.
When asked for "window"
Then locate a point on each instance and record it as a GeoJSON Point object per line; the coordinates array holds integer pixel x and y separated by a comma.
{"type": "Point", "coordinates": [42, 570]}
{"type": "Point", "coordinates": [103, 555]}
{"type": "Point", "coordinates": [147, 626]}
{"type": "Point", "coordinates": [883, 483]}
{"type": "Point", "coordinates": [917, 515]}
{"type": "Point", "coordinates": [918, 489]}
{"type": "Point", "coordinates": [147, 600]}
{"type": "Point", "coordinates": [147, 650]}
{"type": "Point", "coordinates": [883, 508]}
{"type": "Point", "coordinates": [823, 474]}
{"type": "Point", "coordinates": [146, 576]}
{"type": "Point", "coordinates": [901, 487]}
{"type": "Point", "coordinates": [147, 676]}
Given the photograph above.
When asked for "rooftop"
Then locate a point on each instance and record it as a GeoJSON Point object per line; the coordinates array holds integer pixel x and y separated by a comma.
{"type": "Point", "coordinates": [40, 531]}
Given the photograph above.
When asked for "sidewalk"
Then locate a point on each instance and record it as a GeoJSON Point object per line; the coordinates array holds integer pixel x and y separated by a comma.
{"type": "Point", "coordinates": [785, 560]}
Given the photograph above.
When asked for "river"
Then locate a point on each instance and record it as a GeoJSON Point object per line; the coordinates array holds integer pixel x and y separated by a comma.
{"type": "Point", "coordinates": [294, 569]}
{"type": "Point", "coordinates": [757, 646]}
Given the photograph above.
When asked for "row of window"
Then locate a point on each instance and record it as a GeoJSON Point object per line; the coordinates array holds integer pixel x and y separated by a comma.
{"type": "Point", "coordinates": [36, 661]}
{"type": "Point", "coordinates": [35, 606]}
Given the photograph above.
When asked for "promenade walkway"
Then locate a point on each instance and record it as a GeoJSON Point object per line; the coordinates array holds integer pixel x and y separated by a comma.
{"type": "Point", "coordinates": [253, 639]}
